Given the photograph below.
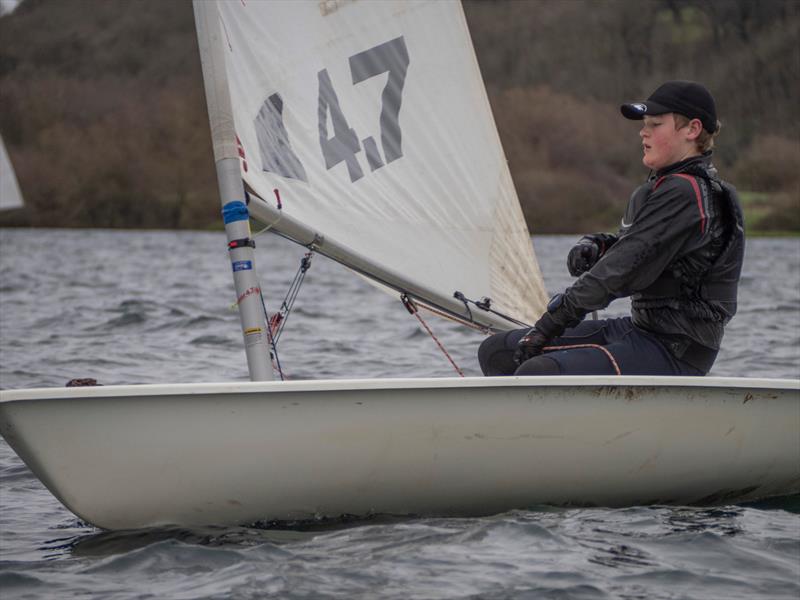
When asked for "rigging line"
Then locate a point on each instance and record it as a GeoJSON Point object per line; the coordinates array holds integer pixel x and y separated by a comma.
{"type": "Point", "coordinates": [459, 296]}
{"type": "Point", "coordinates": [460, 321]}
{"type": "Point", "coordinates": [282, 316]}
{"type": "Point", "coordinates": [276, 361]}
{"type": "Point", "coordinates": [485, 304]}
{"type": "Point", "coordinates": [268, 227]}
{"type": "Point", "coordinates": [411, 307]}
{"type": "Point", "coordinates": [248, 193]}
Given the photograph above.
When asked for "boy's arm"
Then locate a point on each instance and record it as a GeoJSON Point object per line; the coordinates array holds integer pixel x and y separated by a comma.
{"type": "Point", "coordinates": [667, 220]}
{"type": "Point", "coordinates": [589, 249]}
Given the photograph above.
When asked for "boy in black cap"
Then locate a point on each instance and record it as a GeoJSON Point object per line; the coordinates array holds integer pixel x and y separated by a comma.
{"type": "Point", "coordinates": [678, 254]}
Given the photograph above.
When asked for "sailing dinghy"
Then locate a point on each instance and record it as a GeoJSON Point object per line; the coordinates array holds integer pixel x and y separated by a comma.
{"type": "Point", "coordinates": [362, 130]}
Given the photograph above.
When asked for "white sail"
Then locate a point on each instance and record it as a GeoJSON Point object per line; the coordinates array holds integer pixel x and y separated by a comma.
{"type": "Point", "coordinates": [371, 121]}
{"type": "Point", "coordinates": [10, 194]}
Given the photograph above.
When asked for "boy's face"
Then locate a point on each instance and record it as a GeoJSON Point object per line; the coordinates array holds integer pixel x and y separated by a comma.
{"type": "Point", "coordinates": [664, 145]}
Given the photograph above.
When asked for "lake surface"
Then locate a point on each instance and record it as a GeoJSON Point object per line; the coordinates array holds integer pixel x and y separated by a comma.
{"type": "Point", "coordinates": [156, 307]}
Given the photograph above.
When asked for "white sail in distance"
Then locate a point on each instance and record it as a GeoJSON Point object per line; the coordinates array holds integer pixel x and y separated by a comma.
{"type": "Point", "coordinates": [10, 194]}
{"type": "Point", "coordinates": [369, 122]}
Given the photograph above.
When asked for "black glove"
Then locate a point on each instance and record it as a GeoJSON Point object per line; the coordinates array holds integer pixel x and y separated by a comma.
{"type": "Point", "coordinates": [583, 256]}
{"type": "Point", "coordinates": [533, 343]}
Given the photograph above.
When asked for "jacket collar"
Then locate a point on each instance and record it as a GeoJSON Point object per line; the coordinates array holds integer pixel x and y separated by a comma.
{"type": "Point", "coordinates": [695, 165]}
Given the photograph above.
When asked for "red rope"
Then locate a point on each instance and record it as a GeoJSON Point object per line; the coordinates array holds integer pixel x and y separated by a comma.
{"type": "Point", "coordinates": [412, 308]}
{"type": "Point", "coordinates": [275, 322]}
{"type": "Point", "coordinates": [607, 353]}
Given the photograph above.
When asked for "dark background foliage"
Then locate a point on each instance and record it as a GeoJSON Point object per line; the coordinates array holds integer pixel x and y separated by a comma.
{"type": "Point", "coordinates": [103, 113]}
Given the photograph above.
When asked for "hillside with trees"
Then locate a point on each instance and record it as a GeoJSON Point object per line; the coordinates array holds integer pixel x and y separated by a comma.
{"type": "Point", "coordinates": [104, 116]}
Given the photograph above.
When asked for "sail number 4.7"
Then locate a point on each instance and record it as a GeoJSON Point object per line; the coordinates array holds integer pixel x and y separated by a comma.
{"type": "Point", "coordinates": [277, 155]}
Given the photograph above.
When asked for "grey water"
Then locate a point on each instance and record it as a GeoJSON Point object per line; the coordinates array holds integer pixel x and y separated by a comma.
{"type": "Point", "coordinates": [157, 307]}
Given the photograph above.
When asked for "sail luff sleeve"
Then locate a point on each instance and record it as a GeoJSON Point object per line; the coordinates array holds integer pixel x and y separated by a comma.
{"type": "Point", "coordinates": [252, 318]}
{"type": "Point", "coordinates": [220, 111]}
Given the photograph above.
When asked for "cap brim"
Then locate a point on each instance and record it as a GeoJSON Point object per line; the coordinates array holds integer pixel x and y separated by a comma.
{"type": "Point", "coordinates": [637, 110]}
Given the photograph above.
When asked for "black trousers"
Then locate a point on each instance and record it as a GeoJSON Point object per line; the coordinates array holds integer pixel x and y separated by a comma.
{"type": "Point", "coordinates": [591, 348]}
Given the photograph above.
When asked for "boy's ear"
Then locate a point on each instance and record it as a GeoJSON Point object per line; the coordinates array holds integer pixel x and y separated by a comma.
{"type": "Point", "coordinates": [694, 129]}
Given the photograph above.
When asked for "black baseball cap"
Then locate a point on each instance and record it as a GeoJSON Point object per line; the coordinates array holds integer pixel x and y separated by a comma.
{"type": "Point", "coordinates": [686, 98]}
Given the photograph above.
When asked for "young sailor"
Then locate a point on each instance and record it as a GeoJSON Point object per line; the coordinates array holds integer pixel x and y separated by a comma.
{"type": "Point", "coordinates": [678, 254]}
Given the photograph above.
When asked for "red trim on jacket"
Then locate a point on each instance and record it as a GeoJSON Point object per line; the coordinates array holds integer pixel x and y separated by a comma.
{"type": "Point", "coordinates": [697, 195]}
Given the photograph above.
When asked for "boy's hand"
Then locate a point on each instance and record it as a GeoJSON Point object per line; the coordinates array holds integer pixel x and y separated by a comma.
{"type": "Point", "coordinates": [533, 343]}
{"type": "Point", "coordinates": [530, 345]}
{"type": "Point", "coordinates": [583, 256]}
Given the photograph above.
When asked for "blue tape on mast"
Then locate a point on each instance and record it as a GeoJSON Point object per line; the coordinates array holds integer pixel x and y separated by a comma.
{"type": "Point", "coordinates": [235, 211]}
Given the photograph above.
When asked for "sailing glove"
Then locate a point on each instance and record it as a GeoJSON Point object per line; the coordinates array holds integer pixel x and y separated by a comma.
{"type": "Point", "coordinates": [533, 342]}
{"type": "Point", "coordinates": [584, 255]}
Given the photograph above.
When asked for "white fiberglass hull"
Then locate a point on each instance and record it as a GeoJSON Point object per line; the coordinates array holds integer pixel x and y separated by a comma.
{"type": "Point", "coordinates": [191, 454]}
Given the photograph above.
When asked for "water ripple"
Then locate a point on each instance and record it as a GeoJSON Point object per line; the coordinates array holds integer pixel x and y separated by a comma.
{"type": "Point", "coordinates": [147, 326]}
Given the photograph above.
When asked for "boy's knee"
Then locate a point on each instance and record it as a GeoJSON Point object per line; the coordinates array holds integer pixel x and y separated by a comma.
{"type": "Point", "coordinates": [494, 357]}
{"type": "Point", "coordinates": [539, 365]}
{"type": "Point", "coordinates": [486, 344]}
{"type": "Point", "coordinates": [488, 347]}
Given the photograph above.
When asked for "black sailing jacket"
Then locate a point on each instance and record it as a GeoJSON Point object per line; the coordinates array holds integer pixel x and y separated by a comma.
{"type": "Point", "coordinates": [678, 253]}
